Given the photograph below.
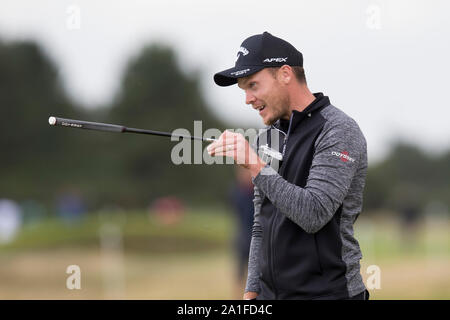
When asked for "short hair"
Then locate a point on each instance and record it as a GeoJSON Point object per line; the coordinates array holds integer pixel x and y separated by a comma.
{"type": "Point", "coordinates": [298, 71]}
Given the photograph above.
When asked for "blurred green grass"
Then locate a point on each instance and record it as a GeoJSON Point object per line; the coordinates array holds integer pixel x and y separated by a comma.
{"type": "Point", "coordinates": [193, 258]}
{"type": "Point", "coordinates": [198, 229]}
{"type": "Point", "coordinates": [384, 237]}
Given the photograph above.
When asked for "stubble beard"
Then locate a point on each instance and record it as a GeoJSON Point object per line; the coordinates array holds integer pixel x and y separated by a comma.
{"type": "Point", "coordinates": [279, 112]}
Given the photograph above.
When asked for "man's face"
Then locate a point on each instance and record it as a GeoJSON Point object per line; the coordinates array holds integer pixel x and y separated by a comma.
{"type": "Point", "coordinates": [267, 95]}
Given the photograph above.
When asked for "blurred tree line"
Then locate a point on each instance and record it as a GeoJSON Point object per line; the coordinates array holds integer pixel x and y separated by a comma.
{"type": "Point", "coordinates": [39, 161]}
{"type": "Point", "coordinates": [409, 178]}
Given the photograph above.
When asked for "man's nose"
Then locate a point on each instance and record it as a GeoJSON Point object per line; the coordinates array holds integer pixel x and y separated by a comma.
{"type": "Point", "coordinates": [249, 98]}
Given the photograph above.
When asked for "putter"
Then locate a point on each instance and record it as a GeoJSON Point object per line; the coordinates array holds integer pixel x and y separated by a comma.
{"type": "Point", "coordinates": [55, 121]}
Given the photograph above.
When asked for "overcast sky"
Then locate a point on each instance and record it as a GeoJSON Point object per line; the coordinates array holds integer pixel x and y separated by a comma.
{"type": "Point", "coordinates": [384, 63]}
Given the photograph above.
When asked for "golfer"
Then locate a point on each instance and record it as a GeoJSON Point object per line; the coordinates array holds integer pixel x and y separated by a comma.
{"type": "Point", "coordinates": [309, 186]}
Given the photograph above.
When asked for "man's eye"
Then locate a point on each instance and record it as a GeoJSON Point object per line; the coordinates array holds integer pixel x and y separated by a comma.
{"type": "Point", "coordinates": [252, 84]}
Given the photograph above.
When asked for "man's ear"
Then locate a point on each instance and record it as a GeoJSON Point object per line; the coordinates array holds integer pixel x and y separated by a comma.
{"type": "Point", "coordinates": [285, 73]}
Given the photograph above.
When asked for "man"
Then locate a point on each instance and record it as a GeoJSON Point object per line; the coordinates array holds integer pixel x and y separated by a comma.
{"type": "Point", "coordinates": [302, 243]}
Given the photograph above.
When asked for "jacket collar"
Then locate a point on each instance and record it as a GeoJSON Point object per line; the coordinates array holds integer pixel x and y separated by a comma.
{"type": "Point", "coordinates": [320, 102]}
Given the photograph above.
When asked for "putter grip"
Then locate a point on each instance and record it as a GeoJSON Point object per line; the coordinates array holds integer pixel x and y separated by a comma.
{"type": "Point", "coordinates": [85, 124]}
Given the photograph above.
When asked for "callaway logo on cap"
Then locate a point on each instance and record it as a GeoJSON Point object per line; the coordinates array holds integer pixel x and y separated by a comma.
{"type": "Point", "coordinates": [256, 53]}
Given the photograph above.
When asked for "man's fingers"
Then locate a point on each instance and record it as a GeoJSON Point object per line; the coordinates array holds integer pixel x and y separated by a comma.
{"type": "Point", "coordinates": [229, 153]}
{"type": "Point", "coordinates": [239, 156]}
{"type": "Point", "coordinates": [219, 150]}
{"type": "Point", "coordinates": [225, 142]}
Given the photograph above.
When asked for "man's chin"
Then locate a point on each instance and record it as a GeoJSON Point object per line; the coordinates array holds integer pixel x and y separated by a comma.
{"type": "Point", "coordinates": [268, 122]}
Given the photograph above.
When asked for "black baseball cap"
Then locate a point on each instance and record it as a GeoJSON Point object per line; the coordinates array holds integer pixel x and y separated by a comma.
{"type": "Point", "coordinates": [256, 53]}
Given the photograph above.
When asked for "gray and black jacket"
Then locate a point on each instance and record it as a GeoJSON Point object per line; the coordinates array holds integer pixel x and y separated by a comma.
{"type": "Point", "coordinates": [305, 206]}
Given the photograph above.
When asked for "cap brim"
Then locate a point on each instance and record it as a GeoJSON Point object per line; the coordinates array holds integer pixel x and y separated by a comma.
{"type": "Point", "coordinates": [229, 77]}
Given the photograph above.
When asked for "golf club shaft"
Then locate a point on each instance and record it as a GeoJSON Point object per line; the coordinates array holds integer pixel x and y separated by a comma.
{"type": "Point", "coordinates": [56, 121]}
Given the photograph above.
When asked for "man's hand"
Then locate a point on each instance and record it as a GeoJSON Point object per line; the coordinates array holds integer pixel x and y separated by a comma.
{"type": "Point", "coordinates": [234, 145]}
{"type": "Point", "coordinates": [250, 295]}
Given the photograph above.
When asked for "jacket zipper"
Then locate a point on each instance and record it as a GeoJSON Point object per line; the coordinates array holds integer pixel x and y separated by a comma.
{"type": "Point", "coordinates": [275, 291]}
{"type": "Point", "coordinates": [270, 253]}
